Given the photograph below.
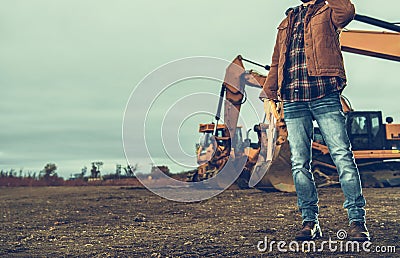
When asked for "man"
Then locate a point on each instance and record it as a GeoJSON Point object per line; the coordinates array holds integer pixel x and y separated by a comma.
{"type": "Point", "coordinates": [307, 74]}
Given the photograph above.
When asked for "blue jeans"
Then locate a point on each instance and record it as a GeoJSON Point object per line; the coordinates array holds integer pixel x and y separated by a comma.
{"type": "Point", "coordinates": [327, 112]}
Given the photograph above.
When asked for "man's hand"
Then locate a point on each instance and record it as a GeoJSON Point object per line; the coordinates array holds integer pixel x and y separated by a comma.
{"type": "Point", "coordinates": [270, 107]}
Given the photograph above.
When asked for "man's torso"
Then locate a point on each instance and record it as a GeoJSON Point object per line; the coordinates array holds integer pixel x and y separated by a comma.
{"type": "Point", "coordinates": [298, 85]}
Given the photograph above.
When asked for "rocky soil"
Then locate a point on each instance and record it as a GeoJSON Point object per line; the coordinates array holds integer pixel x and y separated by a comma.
{"type": "Point", "coordinates": [114, 221]}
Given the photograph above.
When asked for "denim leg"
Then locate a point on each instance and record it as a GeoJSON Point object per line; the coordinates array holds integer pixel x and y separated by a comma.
{"type": "Point", "coordinates": [300, 133]}
{"type": "Point", "coordinates": [333, 129]}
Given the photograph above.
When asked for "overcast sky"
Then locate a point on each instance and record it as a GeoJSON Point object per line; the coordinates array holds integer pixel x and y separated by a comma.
{"type": "Point", "coordinates": [68, 68]}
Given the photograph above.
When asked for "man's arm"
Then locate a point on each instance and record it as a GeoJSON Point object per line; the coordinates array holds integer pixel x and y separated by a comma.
{"type": "Point", "coordinates": [270, 87]}
{"type": "Point", "coordinates": [343, 12]}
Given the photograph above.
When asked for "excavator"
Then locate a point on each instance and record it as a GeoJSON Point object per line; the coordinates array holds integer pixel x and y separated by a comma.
{"type": "Point", "coordinates": [266, 164]}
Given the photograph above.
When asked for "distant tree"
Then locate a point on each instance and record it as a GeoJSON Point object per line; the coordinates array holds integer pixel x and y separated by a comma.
{"type": "Point", "coordinates": [95, 171]}
{"type": "Point", "coordinates": [130, 170]}
{"type": "Point", "coordinates": [49, 170]}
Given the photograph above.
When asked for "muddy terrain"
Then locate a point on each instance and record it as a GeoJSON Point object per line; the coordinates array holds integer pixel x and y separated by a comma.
{"type": "Point", "coordinates": [114, 221]}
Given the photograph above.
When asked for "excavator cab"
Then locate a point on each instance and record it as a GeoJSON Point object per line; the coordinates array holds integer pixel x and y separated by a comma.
{"type": "Point", "coordinates": [366, 130]}
{"type": "Point", "coordinates": [208, 144]}
{"type": "Point", "coordinates": [211, 141]}
{"type": "Point", "coordinates": [214, 148]}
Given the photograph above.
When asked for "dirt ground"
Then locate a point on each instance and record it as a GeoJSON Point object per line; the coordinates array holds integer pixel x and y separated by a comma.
{"type": "Point", "coordinates": [124, 222]}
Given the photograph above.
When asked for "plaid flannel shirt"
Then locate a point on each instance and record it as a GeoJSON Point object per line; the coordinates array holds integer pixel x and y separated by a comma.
{"type": "Point", "coordinates": [298, 85]}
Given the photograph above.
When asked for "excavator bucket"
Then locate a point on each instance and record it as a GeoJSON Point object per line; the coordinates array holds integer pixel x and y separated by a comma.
{"type": "Point", "coordinates": [279, 172]}
{"type": "Point", "coordinates": [273, 167]}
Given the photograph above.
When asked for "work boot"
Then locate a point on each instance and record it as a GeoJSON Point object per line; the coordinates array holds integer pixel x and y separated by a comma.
{"type": "Point", "coordinates": [309, 231]}
{"type": "Point", "coordinates": [358, 232]}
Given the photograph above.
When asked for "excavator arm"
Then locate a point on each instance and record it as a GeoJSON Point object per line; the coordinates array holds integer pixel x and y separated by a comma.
{"type": "Point", "coordinates": [380, 44]}
{"type": "Point", "coordinates": [236, 78]}
{"type": "Point", "coordinates": [383, 44]}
